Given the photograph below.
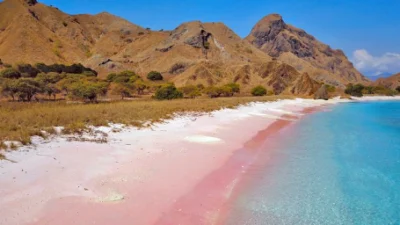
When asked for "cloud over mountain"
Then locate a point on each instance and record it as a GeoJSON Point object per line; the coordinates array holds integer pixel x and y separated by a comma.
{"type": "Point", "coordinates": [375, 65]}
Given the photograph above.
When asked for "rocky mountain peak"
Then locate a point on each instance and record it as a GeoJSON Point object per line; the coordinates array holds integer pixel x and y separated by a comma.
{"type": "Point", "coordinates": [302, 51]}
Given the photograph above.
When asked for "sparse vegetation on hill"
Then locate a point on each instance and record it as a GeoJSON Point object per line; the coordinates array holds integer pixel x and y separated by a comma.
{"type": "Point", "coordinates": [154, 75]}
{"type": "Point", "coordinates": [359, 90]}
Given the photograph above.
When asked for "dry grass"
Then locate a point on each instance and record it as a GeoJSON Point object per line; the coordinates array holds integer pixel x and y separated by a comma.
{"type": "Point", "coordinates": [20, 121]}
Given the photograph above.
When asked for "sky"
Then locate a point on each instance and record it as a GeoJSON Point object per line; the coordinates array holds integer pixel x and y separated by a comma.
{"type": "Point", "coordinates": [367, 30]}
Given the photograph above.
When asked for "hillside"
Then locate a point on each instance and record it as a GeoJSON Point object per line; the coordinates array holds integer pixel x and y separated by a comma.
{"type": "Point", "coordinates": [302, 51]}
{"type": "Point", "coordinates": [282, 58]}
{"type": "Point", "coordinates": [32, 32]}
{"type": "Point", "coordinates": [391, 82]}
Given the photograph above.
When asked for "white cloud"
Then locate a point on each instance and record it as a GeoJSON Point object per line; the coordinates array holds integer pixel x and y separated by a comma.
{"type": "Point", "coordinates": [375, 65]}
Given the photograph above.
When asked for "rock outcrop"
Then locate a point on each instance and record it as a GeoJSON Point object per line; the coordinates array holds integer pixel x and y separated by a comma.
{"type": "Point", "coordinates": [304, 52]}
{"type": "Point", "coordinates": [322, 93]}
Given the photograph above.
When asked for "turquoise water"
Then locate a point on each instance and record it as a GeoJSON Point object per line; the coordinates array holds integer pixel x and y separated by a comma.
{"type": "Point", "coordinates": [336, 167]}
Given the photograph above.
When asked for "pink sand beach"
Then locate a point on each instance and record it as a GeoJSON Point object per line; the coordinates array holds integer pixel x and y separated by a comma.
{"type": "Point", "coordinates": [182, 171]}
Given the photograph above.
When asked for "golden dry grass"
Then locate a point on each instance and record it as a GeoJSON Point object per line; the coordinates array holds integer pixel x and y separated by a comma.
{"type": "Point", "coordinates": [20, 121]}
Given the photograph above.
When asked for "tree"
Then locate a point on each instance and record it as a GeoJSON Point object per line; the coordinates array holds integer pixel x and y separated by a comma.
{"type": "Point", "coordinates": [213, 92]}
{"type": "Point", "coordinates": [140, 86]}
{"type": "Point", "coordinates": [27, 70]}
{"type": "Point", "coordinates": [354, 90]}
{"type": "Point", "coordinates": [398, 89]}
{"type": "Point", "coordinates": [88, 89]}
{"type": "Point", "coordinates": [9, 88]}
{"type": "Point", "coordinates": [27, 88]}
{"type": "Point", "coordinates": [154, 75]}
{"type": "Point", "coordinates": [259, 91]}
{"type": "Point", "coordinates": [10, 73]}
{"type": "Point", "coordinates": [124, 90]}
{"type": "Point", "coordinates": [51, 90]}
{"type": "Point", "coordinates": [168, 92]}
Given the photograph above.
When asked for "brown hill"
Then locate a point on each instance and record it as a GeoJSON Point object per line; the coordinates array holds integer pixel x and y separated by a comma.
{"type": "Point", "coordinates": [391, 82]}
{"type": "Point", "coordinates": [193, 53]}
{"type": "Point", "coordinates": [32, 32]}
{"type": "Point", "coordinates": [302, 51]}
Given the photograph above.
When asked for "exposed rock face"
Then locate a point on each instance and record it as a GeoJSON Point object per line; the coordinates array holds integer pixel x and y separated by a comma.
{"type": "Point", "coordinates": [391, 82]}
{"type": "Point", "coordinates": [302, 51]}
{"type": "Point", "coordinates": [31, 2]}
{"type": "Point", "coordinates": [304, 85]}
{"type": "Point", "coordinates": [322, 93]}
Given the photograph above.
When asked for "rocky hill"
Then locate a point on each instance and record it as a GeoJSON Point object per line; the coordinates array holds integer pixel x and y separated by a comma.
{"type": "Point", "coordinates": [304, 52]}
{"type": "Point", "coordinates": [282, 58]}
{"type": "Point", "coordinates": [391, 82]}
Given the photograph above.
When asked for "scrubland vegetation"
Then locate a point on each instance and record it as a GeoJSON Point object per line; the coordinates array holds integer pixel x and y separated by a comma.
{"type": "Point", "coordinates": [33, 99]}
{"type": "Point", "coordinates": [359, 90]}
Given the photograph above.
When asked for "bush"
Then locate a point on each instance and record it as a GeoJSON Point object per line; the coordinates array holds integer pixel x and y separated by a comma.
{"type": "Point", "coordinates": [88, 89]}
{"type": "Point", "coordinates": [226, 91]}
{"type": "Point", "coordinates": [10, 73]}
{"type": "Point", "coordinates": [123, 90]}
{"type": "Point", "coordinates": [123, 77]}
{"type": "Point", "coordinates": [355, 90]}
{"type": "Point", "coordinates": [258, 91]}
{"type": "Point", "coordinates": [398, 89]}
{"type": "Point", "coordinates": [213, 92]}
{"type": "Point", "coordinates": [27, 70]}
{"type": "Point", "coordinates": [168, 92]}
{"type": "Point", "coordinates": [190, 91]}
{"type": "Point", "coordinates": [154, 75]}
{"type": "Point", "coordinates": [59, 68]}
{"type": "Point", "coordinates": [234, 86]}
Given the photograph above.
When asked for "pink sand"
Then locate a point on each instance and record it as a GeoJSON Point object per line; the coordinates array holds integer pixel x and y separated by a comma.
{"type": "Point", "coordinates": [162, 175]}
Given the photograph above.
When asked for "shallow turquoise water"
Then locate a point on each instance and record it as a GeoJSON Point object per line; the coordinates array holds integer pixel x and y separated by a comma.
{"type": "Point", "coordinates": [335, 167]}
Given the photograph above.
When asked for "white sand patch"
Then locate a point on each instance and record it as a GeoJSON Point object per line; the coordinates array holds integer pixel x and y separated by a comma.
{"type": "Point", "coordinates": [112, 197]}
{"type": "Point", "coordinates": [376, 98]}
{"type": "Point", "coordinates": [273, 117]}
{"type": "Point", "coordinates": [203, 139]}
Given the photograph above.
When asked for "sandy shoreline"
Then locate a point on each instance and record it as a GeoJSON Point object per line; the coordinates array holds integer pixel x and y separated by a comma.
{"type": "Point", "coordinates": [179, 172]}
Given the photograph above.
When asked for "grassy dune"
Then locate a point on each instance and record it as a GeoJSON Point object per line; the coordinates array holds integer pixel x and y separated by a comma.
{"type": "Point", "coordinates": [20, 121]}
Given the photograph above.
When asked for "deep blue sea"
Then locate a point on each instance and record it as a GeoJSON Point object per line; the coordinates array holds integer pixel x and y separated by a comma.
{"type": "Point", "coordinates": [341, 166]}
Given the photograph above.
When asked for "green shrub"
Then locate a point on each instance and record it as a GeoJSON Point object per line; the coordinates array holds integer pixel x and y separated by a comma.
{"type": "Point", "coordinates": [123, 77]}
{"type": "Point", "coordinates": [259, 91]}
{"type": "Point", "coordinates": [167, 92]}
{"type": "Point", "coordinates": [355, 90]}
{"type": "Point", "coordinates": [190, 91]}
{"type": "Point", "coordinates": [111, 77]}
{"type": "Point", "coordinates": [212, 92]}
{"type": "Point", "coordinates": [87, 89]}
{"type": "Point", "coordinates": [140, 86]}
{"type": "Point", "coordinates": [226, 91]}
{"type": "Point", "coordinates": [27, 70]}
{"type": "Point", "coordinates": [154, 75]}
{"type": "Point", "coordinates": [10, 73]}
{"type": "Point", "coordinates": [330, 88]}
{"type": "Point", "coordinates": [234, 86]}
{"type": "Point", "coordinates": [123, 90]}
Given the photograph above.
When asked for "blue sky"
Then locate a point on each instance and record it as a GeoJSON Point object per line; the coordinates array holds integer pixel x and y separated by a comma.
{"type": "Point", "coordinates": [367, 30]}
